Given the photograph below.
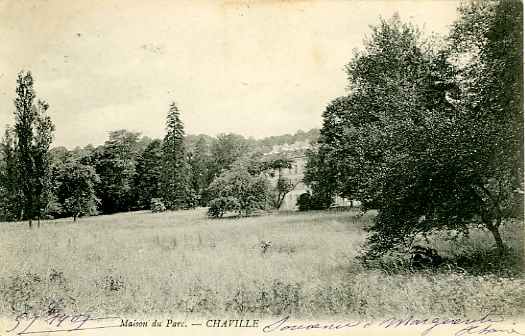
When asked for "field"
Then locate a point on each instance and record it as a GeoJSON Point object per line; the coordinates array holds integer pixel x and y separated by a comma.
{"type": "Point", "coordinates": [299, 264]}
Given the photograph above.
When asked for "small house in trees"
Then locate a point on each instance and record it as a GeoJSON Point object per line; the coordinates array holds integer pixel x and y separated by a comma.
{"type": "Point", "coordinates": [297, 152]}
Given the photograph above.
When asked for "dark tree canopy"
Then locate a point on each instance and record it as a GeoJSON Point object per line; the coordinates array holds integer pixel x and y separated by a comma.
{"type": "Point", "coordinates": [115, 163]}
{"type": "Point", "coordinates": [200, 164]}
{"type": "Point", "coordinates": [149, 170]}
{"type": "Point", "coordinates": [490, 35]}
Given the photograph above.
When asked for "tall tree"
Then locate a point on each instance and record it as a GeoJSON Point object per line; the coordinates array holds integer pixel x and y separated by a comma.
{"type": "Point", "coordinates": [43, 161]}
{"type": "Point", "coordinates": [487, 41]}
{"type": "Point", "coordinates": [149, 169]}
{"type": "Point", "coordinates": [34, 136]}
{"type": "Point", "coordinates": [381, 144]}
{"type": "Point", "coordinates": [176, 188]}
{"type": "Point", "coordinates": [429, 147]}
{"type": "Point", "coordinates": [115, 163]}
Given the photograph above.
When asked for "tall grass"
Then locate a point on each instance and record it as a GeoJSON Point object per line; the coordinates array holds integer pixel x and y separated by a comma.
{"type": "Point", "coordinates": [300, 264]}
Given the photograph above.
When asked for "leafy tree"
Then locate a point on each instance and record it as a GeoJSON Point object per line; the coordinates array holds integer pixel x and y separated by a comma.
{"type": "Point", "coordinates": [487, 41]}
{"type": "Point", "coordinates": [283, 187]}
{"type": "Point", "coordinates": [176, 189]}
{"type": "Point", "coordinates": [33, 130]}
{"type": "Point", "coordinates": [76, 191]}
{"type": "Point", "coordinates": [149, 169]}
{"type": "Point", "coordinates": [404, 142]}
{"type": "Point", "coordinates": [59, 155]}
{"type": "Point", "coordinates": [115, 163]}
{"type": "Point", "coordinates": [421, 142]}
{"type": "Point", "coordinates": [227, 149]}
{"type": "Point", "coordinates": [376, 143]}
{"type": "Point", "coordinates": [325, 169]}
{"type": "Point", "coordinates": [238, 190]}
{"type": "Point", "coordinates": [46, 200]}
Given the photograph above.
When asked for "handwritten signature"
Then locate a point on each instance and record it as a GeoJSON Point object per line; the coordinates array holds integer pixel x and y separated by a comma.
{"type": "Point", "coordinates": [58, 322]}
{"type": "Point", "coordinates": [481, 326]}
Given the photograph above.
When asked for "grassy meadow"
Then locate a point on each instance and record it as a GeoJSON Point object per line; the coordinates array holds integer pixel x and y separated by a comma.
{"type": "Point", "coordinates": [300, 264]}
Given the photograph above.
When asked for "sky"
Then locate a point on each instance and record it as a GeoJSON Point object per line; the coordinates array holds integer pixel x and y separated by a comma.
{"type": "Point", "coordinates": [255, 68]}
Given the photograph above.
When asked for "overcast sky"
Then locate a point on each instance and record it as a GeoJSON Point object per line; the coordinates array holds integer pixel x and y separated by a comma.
{"type": "Point", "coordinates": [256, 68]}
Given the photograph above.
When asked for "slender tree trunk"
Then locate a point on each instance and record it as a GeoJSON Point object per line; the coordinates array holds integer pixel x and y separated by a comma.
{"type": "Point", "coordinates": [38, 219]}
{"type": "Point", "coordinates": [30, 223]}
{"type": "Point", "coordinates": [280, 200]}
{"type": "Point", "coordinates": [494, 229]}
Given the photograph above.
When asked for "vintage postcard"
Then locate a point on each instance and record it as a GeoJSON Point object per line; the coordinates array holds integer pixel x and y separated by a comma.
{"type": "Point", "coordinates": [218, 167]}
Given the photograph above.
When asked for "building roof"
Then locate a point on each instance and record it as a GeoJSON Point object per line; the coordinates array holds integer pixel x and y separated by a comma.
{"type": "Point", "coordinates": [287, 148]}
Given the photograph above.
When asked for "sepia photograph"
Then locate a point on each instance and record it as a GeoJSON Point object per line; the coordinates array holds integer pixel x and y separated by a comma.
{"type": "Point", "coordinates": [251, 167]}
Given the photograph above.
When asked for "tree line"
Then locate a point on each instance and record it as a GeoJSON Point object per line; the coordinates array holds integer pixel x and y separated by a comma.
{"type": "Point", "coordinates": [430, 133]}
{"type": "Point", "coordinates": [133, 172]}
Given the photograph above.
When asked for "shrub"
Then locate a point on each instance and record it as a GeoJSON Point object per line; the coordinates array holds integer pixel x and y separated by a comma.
{"type": "Point", "coordinates": [157, 205]}
{"type": "Point", "coordinates": [308, 201]}
{"type": "Point", "coordinates": [237, 189]}
{"type": "Point", "coordinates": [304, 201]}
{"type": "Point", "coordinates": [219, 206]}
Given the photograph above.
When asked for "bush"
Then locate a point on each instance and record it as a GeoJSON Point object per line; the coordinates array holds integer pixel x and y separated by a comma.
{"type": "Point", "coordinates": [307, 202]}
{"type": "Point", "coordinates": [157, 205]}
{"type": "Point", "coordinates": [304, 201]}
{"type": "Point", "coordinates": [237, 189]}
{"type": "Point", "coordinates": [219, 206]}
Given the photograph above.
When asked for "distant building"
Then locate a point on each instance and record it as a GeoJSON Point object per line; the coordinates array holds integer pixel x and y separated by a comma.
{"type": "Point", "coordinates": [297, 152]}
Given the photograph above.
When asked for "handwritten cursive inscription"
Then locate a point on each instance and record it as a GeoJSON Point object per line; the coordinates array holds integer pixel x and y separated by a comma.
{"type": "Point", "coordinates": [58, 322]}
{"type": "Point", "coordinates": [481, 326]}
{"type": "Point", "coordinates": [279, 326]}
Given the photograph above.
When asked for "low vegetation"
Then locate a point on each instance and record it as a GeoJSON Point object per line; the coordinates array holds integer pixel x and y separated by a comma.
{"type": "Point", "coordinates": [294, 263]}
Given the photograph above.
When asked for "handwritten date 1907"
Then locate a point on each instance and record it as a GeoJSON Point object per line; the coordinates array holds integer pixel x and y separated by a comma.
{"type": "Point", "coordinates": [55, 321]}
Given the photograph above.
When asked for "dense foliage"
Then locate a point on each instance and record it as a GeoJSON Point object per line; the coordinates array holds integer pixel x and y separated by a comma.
{"type": "Point", "coordinates": [115, 163]}
{"type": "Point", "coordinates": [76, 191]}
{"type": "Point", "coordinates": [147, 180]}
{"type": "Point", "coordinates": [430, 133]}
